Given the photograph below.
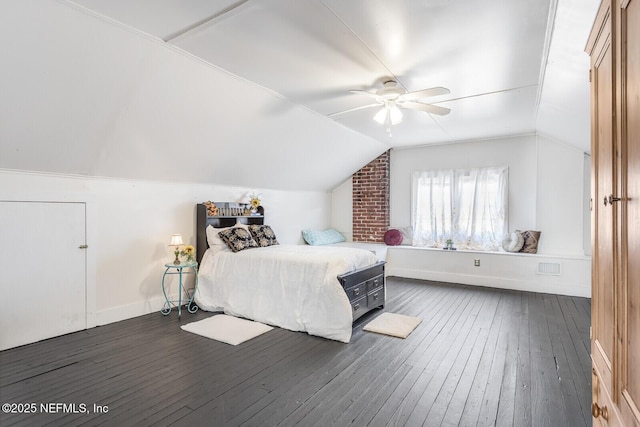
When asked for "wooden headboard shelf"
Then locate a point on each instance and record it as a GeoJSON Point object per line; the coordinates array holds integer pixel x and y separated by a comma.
{"type": "Point", "coordinates": [229, 213]}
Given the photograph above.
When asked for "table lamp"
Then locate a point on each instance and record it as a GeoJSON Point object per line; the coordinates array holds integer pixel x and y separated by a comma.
{"type": "Point", "coordinates": [176, 242]}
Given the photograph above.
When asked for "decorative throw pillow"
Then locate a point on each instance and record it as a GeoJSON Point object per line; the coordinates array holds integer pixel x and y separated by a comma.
{"type": "Point", "coordinates": [263, 235]}
{"type": "Point", "coordinates": [531, 239]}
{"type": "Point", "coordinates": [393, 237]}
{"type": "Point", "coordinates": [513, 242]}
{"type": "Point", "coordinates": [326, 237]}
{"type": "Point", "coordinates": [238, 239]}
{"type": "Point", "coordinates": [212, 234]}
{"type": "Point", "coordinates": [407, 235]}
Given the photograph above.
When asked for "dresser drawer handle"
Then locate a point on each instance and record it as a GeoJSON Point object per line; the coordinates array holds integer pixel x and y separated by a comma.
{"type": "Point", "coordinates": [356, 306]}
{"type": "Point", "coordinates": [375, 296]}
{"type": "Point", "coordinates": [356, 292]}
{"type": "Point", "coordinates": [375, 282]}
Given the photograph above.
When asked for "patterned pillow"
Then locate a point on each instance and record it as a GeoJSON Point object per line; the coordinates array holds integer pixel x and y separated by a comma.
{"type": "Point", "coordinates": [237, 239]}
{"type": "Point", "coordinates": [212, 234]}
{"type": "Point", "coordinates": [531, 239]}
{"type": "Point", "coordinates": [263, 235]}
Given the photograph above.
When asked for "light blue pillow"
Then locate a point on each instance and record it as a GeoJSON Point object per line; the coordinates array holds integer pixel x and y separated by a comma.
{"type": "Point", "coordinates": [325, 237]}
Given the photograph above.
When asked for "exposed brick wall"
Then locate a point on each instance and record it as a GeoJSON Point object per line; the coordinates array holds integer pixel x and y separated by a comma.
{"type": "Point", "coordinates": [371, 200]}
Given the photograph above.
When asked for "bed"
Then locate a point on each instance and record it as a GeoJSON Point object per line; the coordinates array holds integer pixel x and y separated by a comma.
{"type": "Point", "coordinates": [320, 290]}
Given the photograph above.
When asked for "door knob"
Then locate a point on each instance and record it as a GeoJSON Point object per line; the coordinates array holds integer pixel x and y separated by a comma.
{"type": "Point", "coordinates": [598, 411]}
{"type": "Point", "coordinates": [613, 199]}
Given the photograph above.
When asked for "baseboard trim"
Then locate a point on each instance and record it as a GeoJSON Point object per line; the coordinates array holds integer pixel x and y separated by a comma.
{"type": "Point", "coordinates": [128, 311]}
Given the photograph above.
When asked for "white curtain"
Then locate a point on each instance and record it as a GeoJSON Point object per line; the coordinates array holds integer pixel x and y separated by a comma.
{"type": "Point", "coordinates": [468, 207]}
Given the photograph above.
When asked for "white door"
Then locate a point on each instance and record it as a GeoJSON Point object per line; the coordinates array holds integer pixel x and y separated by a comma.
{"type": "Point", "coordinates": [42, 271]}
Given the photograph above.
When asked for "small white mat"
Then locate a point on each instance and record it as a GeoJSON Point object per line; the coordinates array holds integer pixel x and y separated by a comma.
{"type": "Point", "coordinates": [228, 329]}
{"type": "Point", "coordinates": [396, 325]}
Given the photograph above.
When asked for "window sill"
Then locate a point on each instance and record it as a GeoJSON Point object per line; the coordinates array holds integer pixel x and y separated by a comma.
{"type": "Point", "coordinates": [492, 253]}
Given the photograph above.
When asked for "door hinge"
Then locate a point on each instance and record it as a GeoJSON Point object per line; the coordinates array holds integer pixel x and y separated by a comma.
{"type": "Point", "coordinates": [83, 246]}
{"type": "Point", "coordinates": [590, 75]}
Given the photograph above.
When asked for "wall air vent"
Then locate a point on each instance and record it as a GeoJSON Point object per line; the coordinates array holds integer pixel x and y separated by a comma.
{"type": "Point", "coordinates": [549, 268]}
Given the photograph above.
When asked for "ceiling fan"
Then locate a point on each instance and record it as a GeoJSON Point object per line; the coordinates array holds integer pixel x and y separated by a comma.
{"type": "Point", "coordinates": [393, 97]}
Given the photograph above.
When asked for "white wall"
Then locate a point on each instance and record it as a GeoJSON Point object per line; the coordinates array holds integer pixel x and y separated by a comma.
{"type": "Point", "coordinates": [560, 194]}
{"type": "Point", "coordinates": [130, 223]}
{"type": "Point", "coordinates": [342, 209]}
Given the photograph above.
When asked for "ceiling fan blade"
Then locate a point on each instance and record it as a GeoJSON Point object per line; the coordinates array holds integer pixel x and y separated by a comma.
{"type": "Point", "coordinates": [337, 113]}
{"type": "Point", "coordinates": [427, 108]}
{"type": "Point", "coordinates": [424, 93]}
{"type": "Point", "coordinates": [373, 95]}
{"type": "Point", "coordinates": [364, 92]}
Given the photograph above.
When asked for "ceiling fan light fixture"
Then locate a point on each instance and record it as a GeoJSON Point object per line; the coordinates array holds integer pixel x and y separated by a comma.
{"type": "Point", "coordinates": [381, 116]}
{"type": "Point", "coordinates": [392, 97]}
{"type": "Point", "coordinates": [395, 114]}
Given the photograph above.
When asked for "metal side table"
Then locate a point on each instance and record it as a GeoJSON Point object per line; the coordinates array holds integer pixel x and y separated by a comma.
{"type": "Point", "coordinates": [180, 270]}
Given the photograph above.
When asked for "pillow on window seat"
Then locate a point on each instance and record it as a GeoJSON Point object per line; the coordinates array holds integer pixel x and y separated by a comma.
{"type": "Point", "coordinates": [407, 235]}
{"type": "Point", "coordinates": [531, 239]}
{"type": "Point", "coordinates": [513, 242]}
{"type": "Point", "coordinates": [393, 237]}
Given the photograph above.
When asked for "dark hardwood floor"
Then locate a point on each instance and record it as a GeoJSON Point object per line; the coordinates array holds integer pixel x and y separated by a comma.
{"type": "Point", "coordinates": [481, 356]}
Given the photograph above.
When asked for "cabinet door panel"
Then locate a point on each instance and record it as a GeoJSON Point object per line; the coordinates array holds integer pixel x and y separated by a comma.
{"type": "Point", "coordinates": [603, 295]}
{"type": "Point", "coordinates": [630, 297]}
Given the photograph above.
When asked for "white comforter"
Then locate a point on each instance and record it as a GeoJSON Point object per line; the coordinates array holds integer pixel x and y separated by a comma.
{"type": "Point", "coordinates": [290, 286]}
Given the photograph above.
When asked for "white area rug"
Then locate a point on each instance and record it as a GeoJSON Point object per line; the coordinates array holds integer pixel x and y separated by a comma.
{"type": "Point", "coordinates": [228, 329]}
{"type": "Point", "coordinates": [396, 325]}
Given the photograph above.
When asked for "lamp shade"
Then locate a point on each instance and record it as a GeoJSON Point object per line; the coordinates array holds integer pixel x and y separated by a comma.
{"type": "Point", "coordinates": [389, 114]}
{"type": "Point", "coordinates": [395, 114]}
{"type": "Point", "coordinates": [176, 240]}
{"type": "Point", "coordinates": [381, 116]}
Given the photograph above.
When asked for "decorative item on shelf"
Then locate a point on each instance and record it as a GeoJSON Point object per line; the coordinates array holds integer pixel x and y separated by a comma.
{"type": "Point", "coordinates": [188, 252]}
{"type": "Point", "coordinates": [176, 242]}
{"type": "Point", "coordinates": [254, 201]}
{"type": "Point", "coordinates": [212, 209]}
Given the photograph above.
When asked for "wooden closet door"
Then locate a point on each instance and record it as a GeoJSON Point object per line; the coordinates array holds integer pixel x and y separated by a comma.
{"type": "Point", "coordinates": [603, 257]}
{"type": "Point", "coordinates": [629, 372]}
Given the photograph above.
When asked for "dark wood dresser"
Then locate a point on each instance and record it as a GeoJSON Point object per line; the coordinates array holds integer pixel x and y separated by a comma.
{"type": "Point", "coordinates": [365, 288]}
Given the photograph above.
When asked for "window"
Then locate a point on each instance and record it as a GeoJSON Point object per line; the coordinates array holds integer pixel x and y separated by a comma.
{"type": "Point", "coordinates": [466, 206]}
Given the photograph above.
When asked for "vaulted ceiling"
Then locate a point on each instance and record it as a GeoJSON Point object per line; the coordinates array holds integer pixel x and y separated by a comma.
{"type": "Point", "coordinates": [257, 93]}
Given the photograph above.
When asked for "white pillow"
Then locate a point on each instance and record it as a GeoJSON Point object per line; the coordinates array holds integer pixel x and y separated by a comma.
{"type": "Point", "coordinates": [407, 235]}
{"type": "Point", "coordinates": [513, 242]}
